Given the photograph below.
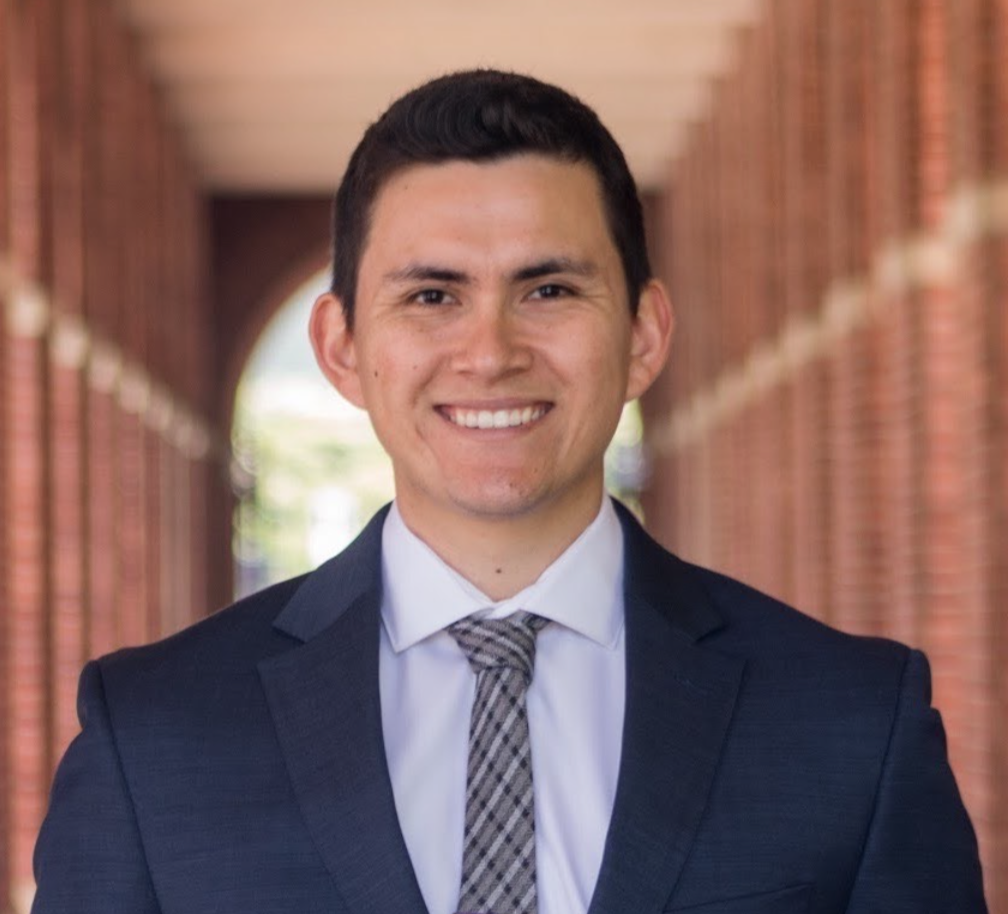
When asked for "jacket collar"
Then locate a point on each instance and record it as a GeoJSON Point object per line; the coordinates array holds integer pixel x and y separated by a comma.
{"type": "Point", "coordinates": [658, 579]}
{"type": "Point", "coordinates": [653, 576]}
{"type": "Point", "coordinates": [337, 584]}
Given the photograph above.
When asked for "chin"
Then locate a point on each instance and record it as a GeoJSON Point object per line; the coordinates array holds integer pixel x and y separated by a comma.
{"type": "Point", "coordinates": [496, 500]}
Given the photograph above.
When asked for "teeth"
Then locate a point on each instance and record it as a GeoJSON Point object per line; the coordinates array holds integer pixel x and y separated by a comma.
{"type": "Point", "coordinates": [501, 418]}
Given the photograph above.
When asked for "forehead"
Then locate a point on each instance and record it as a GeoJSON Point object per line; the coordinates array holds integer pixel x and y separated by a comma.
{"type": "Point", "coordinates": [502, 206]}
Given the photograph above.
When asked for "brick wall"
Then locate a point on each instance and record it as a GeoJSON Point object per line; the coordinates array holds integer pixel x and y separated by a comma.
{"type": "Point", "coordinates": [107, 460]}
{"type": "Point", "coordinates": [5, 678]}
{"type": "Point", "coordinates": [833, 424]}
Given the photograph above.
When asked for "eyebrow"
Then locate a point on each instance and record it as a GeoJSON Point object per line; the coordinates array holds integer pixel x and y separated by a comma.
{"type": "Point", "coordinates": [552, 265]}
{"type": "Point", "coordinates": [415, 272]}
{"type": "Point", "coordinates": [419, 272]}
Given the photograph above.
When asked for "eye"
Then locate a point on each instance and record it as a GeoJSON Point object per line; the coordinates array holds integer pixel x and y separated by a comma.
{"type": "Point", "coordinates": [431, 297]}
{"type": "Point", "coordinates": [550, 290]}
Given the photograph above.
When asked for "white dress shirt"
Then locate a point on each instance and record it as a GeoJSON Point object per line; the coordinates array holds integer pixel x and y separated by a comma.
{"type": "Point", "coordinates": [575, 708]}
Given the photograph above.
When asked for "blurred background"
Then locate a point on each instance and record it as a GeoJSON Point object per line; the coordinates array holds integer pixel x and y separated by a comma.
{"type": "Point", "coordinates": [826, 186]}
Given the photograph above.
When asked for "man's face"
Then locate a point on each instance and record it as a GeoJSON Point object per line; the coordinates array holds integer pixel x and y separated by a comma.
{"type": "Point", "coordinates": [493, 346]}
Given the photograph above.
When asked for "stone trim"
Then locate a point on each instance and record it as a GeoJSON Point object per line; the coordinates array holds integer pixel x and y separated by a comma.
{"type": "Point", "coordinates": [30, 313]}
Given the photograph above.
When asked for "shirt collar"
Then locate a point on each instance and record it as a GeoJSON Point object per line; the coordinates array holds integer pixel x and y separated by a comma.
{"type": "Point", "coordinates": [581, 590]}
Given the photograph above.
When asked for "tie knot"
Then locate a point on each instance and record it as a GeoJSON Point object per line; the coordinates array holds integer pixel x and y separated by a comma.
{"type": "Point", "coordinates": [494, 643]}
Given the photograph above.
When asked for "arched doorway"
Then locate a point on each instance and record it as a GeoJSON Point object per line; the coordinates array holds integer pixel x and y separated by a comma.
{"type": "Point", "coordinates": [308, 469]}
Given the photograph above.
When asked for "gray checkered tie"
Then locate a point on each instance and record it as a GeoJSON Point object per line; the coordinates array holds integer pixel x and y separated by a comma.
{"type": "Point", "coordinates": [498, 858]}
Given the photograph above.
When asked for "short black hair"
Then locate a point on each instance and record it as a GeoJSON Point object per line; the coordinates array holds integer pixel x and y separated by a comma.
{"type": "Point", "coordinates": [481, 116]}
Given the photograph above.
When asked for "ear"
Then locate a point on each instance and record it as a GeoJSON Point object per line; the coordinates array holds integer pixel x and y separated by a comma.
{"type": "Point", "coordinates": [651, 335]}
{"type": "Point", "coordinates": [333, 343]}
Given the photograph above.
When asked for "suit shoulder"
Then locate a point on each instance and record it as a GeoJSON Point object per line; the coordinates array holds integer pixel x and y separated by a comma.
{"type": "Point", "coordinates": [766, 626]}
{"type": "Point", "coordinates": [739, 619]}
{"type": "Point", "coordinates": [235, 635]}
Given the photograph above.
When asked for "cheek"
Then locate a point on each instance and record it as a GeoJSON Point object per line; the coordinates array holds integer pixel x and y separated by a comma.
{"type": "Point", "coordinates": [395, 374]}
{"type": "Point", "coordinates": [599, 367]}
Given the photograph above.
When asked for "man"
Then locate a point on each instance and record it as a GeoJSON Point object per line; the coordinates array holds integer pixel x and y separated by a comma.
{"type": "Point", "coordinates": [503, 696]}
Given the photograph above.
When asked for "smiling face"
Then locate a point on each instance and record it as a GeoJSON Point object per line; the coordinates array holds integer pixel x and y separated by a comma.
{"type": "Point", "coordinates": [493, 346]}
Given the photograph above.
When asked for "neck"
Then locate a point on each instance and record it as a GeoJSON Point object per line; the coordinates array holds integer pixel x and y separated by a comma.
{"type": "Point", "coordinates": [501, 556]}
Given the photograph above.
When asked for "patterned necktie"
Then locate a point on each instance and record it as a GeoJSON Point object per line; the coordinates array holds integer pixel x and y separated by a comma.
{"type": "Point", "coordinates": [498, 857]}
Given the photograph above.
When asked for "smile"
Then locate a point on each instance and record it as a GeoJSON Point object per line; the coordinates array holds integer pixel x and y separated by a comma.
{"type": "Point", "coordinates": [494, 418]}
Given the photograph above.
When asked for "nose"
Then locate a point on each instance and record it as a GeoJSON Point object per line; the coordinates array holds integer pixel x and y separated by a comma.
{"type": "Point", "coordinates": [491, 343]}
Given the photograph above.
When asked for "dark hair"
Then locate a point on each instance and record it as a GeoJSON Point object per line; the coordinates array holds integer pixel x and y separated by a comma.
{"type": "Point", "coordinates": [483, 115]}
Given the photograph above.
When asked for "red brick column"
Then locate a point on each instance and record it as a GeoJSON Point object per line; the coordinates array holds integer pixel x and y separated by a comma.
{"type": "Point", "coordinates": [953, 440]}
{"type": "Point", "coordinates": [102, 473]}
{"type": "Point", "coordinates": [6, 741]}
{"type": "Point", "coordinates": [26, 464]}
{"type": "Point", "coordinates": [172, 558]}
{"type": "Point", "coordinates": [894, 341]}
{"type": "Point", "coordinates": [65, 426]}
{"type": "Point", "coordinates": [26, 611]}
{"type": "Point", "coordinates": [849, 123]}
{"type": "Point", "coordinates": [994, 28]}
{"type": "Point", "coordinates": [131, 521]}
{"type": "Point", "coordinates": [102, 305]}
{"type": "Point", "coordinates": [158, 350]}
{"type": "Point", "coordinates": [998, 536]}
{"type": "Point", "coordinates": [810, 433]}
{"type": "Point", "coordinates": [154, 470]}
{"type": "Point", "coordinates": [804, 147]}
{"type": "Point", "coordinates": [131, 157]}
{"type": "Point", "coordinates": [68, 351]}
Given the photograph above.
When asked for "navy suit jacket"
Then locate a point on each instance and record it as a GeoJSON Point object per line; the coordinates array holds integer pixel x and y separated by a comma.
{"type": "Point", "coordinates": [770, 765]}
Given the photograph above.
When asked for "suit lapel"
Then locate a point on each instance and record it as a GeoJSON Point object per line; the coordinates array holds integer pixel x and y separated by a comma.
{"type": "Point", "coordinates": [324, 699]}
{"type": "Point", "coordinates": [680, 698]}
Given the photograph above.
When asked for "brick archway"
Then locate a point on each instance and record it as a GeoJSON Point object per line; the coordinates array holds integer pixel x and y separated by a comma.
{"type": "Point", "coordinates": [263, 249]}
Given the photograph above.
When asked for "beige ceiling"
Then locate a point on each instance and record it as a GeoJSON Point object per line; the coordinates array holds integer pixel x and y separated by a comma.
{"type": "Point", "coordinates": [272, 95]}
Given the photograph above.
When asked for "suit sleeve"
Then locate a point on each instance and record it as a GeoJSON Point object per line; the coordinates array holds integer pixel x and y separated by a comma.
{"type": "Point", "coordinates": [920, 853]}
{"type": "Point", "coordinates": [89, 857]}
